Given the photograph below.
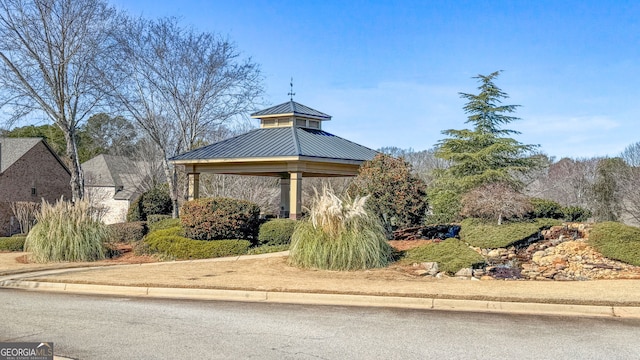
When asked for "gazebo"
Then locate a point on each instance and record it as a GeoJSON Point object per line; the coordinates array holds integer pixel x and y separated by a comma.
{"type": "Point", "coordinates": [290, 144]}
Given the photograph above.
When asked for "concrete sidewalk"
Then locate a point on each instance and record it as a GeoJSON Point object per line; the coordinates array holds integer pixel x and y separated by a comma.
{"type": "Point", "coordinates": [267, 278]}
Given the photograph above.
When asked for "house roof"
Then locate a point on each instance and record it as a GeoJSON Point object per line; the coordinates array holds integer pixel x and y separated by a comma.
{"type": "Point", "coordinates": [12, 149]}
{"type": "Point", "coordinates": [114, 171]}
{"type": "Point", "coordinates": [292, 108]}
{"type": "Point", "coordinates": [281, 142]}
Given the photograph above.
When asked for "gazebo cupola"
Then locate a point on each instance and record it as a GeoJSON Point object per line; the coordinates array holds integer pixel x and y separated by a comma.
{"type": "Point", "coordinates": [291, 114]}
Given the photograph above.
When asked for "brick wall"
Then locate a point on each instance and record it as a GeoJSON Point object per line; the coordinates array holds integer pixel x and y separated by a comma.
{"type": "Point", "coordinates": [38, 169]}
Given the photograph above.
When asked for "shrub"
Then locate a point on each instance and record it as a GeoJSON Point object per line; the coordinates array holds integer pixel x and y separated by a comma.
{"type": "Point", "coordinates": [446, 206]}
{"type": "Point", "coordinates": [339, 235]}
{"type": "Point", "coordinates": [575, 214]}
{"type": "Point", "coordinates": [265, 249]}
{"type": "Point", "coordinates": [154, 218]}
{"type": "Point", "coordinates": [128, 232]}
{"type": "Point", "coordinates": [152, 202]}
{"type": "Point", "coordinates": [276, 232]}
{"type": "Point", "coordinates": [66, 232]}
{"type": "Point", "coordinates": [171, 243]}
{"type": "Point", "coordinates": [164, 224]}
{"type": "Point", "coordinates": [451, 255]}
{"type": "Point", "coordinates": [14, 243]}
{"type": "Point", "coordinates": [396, 195]}
{"type": "Point", "coordinates": [616, 241]}
{"type": "Point", "coordinates": [157, 201]}
{"type": "Point", "coordinates": [135, 210]}
{"type": "Point", "coordinates": [543, 208]}
{"type": "Point", "coordinates": [478, 233]}
{"type": "Point", "coordinates": [220, 218]}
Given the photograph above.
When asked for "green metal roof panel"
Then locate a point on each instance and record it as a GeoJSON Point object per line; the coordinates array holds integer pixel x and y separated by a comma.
{"type": "Point", "coordinates": [282, 142]}
{"type": "Point", "coordinates": [292, 107]}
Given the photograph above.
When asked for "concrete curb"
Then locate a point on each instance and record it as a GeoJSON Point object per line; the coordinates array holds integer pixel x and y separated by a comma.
{"type": "Point", "coordinates": [332, 299]}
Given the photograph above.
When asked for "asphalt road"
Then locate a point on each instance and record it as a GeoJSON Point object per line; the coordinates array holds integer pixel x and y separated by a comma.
{"type": "Point", "coordinates": [91, 327]}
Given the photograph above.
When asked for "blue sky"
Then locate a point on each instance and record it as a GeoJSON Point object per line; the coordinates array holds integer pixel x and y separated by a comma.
{"type": "Point", "coordinates": [389, 72]}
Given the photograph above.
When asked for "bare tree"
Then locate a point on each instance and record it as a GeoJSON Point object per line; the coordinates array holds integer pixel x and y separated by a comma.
{"type": "Point", "coordinates": [179, 85]}
{"type": "Point", "coordinates": [25, 212]}
{"type": "Point", "coordinates": [495, 201]}
{"type": "Point", "coordinates": [630, 182]}
{"type": "Point", "coordinates": [49, 53]}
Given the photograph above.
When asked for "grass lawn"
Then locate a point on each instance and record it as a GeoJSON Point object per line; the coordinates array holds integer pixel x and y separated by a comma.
{"type": "Point", "coordinates": [485, 235]}
{"type": "Point", "coordinates": [617, 241]}
{"type": "Point", "coordinates": [451, 255]}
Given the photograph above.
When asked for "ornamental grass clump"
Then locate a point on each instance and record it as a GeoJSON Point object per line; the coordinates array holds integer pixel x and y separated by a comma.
{"type": "Point", "coordinates": [67, 232]}
{"type": "Point", "coordinates": [339, 235]}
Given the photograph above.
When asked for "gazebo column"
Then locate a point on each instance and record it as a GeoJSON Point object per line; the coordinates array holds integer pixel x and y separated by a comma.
{"type": "Point", "coordinates": [285, 187]}
{"type": "Point", "coordinates": [194, 185]}
{"type": "Point", "coordinates": [295, 196]}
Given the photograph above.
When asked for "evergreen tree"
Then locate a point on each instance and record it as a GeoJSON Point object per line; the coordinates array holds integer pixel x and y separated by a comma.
{"type": "Point", "coordinates": [486, 154]}
{"type": "Point", "coordinates": [482, 155]}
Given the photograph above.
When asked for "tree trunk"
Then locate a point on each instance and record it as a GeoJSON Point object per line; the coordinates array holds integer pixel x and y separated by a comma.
{"type": "Point", "coordinates": [77, 176]}
{"type": "Point", "coordinates": [172, 179]}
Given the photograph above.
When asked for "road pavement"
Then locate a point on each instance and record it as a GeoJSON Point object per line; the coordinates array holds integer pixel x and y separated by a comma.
{"type": "Point", "coordinates": [91, 327]}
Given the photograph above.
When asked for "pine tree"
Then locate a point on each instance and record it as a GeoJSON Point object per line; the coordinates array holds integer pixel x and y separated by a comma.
{"type": "Point", "coordinates": [482, 155]}
{"type": "Point", "coordinates": [486, 154]}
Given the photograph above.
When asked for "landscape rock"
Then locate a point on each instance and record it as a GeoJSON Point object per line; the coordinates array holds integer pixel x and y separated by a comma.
{"type": "Point", "coordinates": [431, 267]}
{"type": "Point", "coordinates": [465, 272]}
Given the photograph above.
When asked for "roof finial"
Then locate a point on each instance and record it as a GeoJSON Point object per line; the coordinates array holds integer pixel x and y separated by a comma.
{"type": "Point", "coordinates": [291, 93]}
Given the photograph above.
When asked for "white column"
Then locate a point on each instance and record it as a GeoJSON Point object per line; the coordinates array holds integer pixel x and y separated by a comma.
{"type": "Point", "coordinates": [194, 185]}
{"type": "Point", "coordinates": [284, 196]}
{"type": "Point", "coordinates": [295, 196]}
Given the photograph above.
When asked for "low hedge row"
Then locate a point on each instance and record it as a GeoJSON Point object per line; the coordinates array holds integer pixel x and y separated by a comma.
{"type": "Point", "coordinates": [276, 232]}
{"type": "Point", "coordinates": [486, 235]}
{"type": "Point", "coordinates": [128, 232]}
{"type": "Point", "coordinates": [616, 241]}
{"type": "Point", "coordinates": [14, 243]}
{"type": "Point", "coordinates": [220, 218]}
{"type": "Point", "coordinates": [451, 255]}
{"type": "Point", "coordinates": [172, 243]}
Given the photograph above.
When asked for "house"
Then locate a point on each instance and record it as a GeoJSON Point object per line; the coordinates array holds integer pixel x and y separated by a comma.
{"type": "Point", "coordinates": [113, 183]}
{"type": "Point", "coordinates": [29, 171]}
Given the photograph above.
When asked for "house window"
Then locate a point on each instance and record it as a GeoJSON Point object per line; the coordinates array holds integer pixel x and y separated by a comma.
{"type": "Point", "coordinates": [33, 191]}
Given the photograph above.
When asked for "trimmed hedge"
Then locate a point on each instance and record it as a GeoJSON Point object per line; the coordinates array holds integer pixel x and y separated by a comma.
{"type": "Point", "coordinates": [14, 243]}
{"type": "Point", "coordinates": [451, 255]}
{"type": "Point", "coordinates": [170, 242]}
{"type": "Point", "coordinates": [616, 241]}
{"type": "Point", "coordinates": [152, 202]}
{"type": "Point", "coordinates": [154, 218]}
{"type": "Point", "coordinates": [548, 209]}
{"type": "Point", "coordinates": [128, 232]}
{"type": "Point", "coordinates": [220, 218]}
{"type": "Point", "coordinates": [485, 235]}
{"type": "Point", "coordinates": [276, 232]}
{"type": "Point", "coordinates": [163, 224]}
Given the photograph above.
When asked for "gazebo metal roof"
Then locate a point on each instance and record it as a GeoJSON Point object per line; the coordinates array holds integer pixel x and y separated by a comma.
{"type": "Point", "coordinates": [290, 144]}
{"type": "Point", "coordinates": [281, 142]}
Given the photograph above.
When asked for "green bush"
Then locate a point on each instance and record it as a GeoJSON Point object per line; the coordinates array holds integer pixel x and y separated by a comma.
{"type": "Point", "coordinates": [154, 218]}
{"type": "Point", "coordinates": [451, 255]}
{"type": "Point", "coordinates": [617, 241]}
{"type": "Point", "coordinates": [163, 224]}
{"type": "Point", "coordinates": [547, 209]}
{"type": "Point", "coordinates": [276, 232]}
{"type": "Point", "coordinates": [446, 206]}
{"type": "Point", "coordinates": [67, 232]}
{"type": "Point", "coordinates": [265, 249]}
{"type": "Point", "coordinates": [339, 235]}
{"type": "Point", "coordinates": [397, 196]}
{"type": "Point", "coordinates": [576, 214]}
{"type": "Point", "coordinates": [485, 235]}
{"type": "Point", "coordinates": [128, 232]}
{"type": "Point", "coordinates": [156, 201]}
{"type": "Point", "coordinates": [220, 218]}
{"type": "Point", "coordinates": [14, 243]}
{"type": "Point", "coordinates": [170, 242]}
